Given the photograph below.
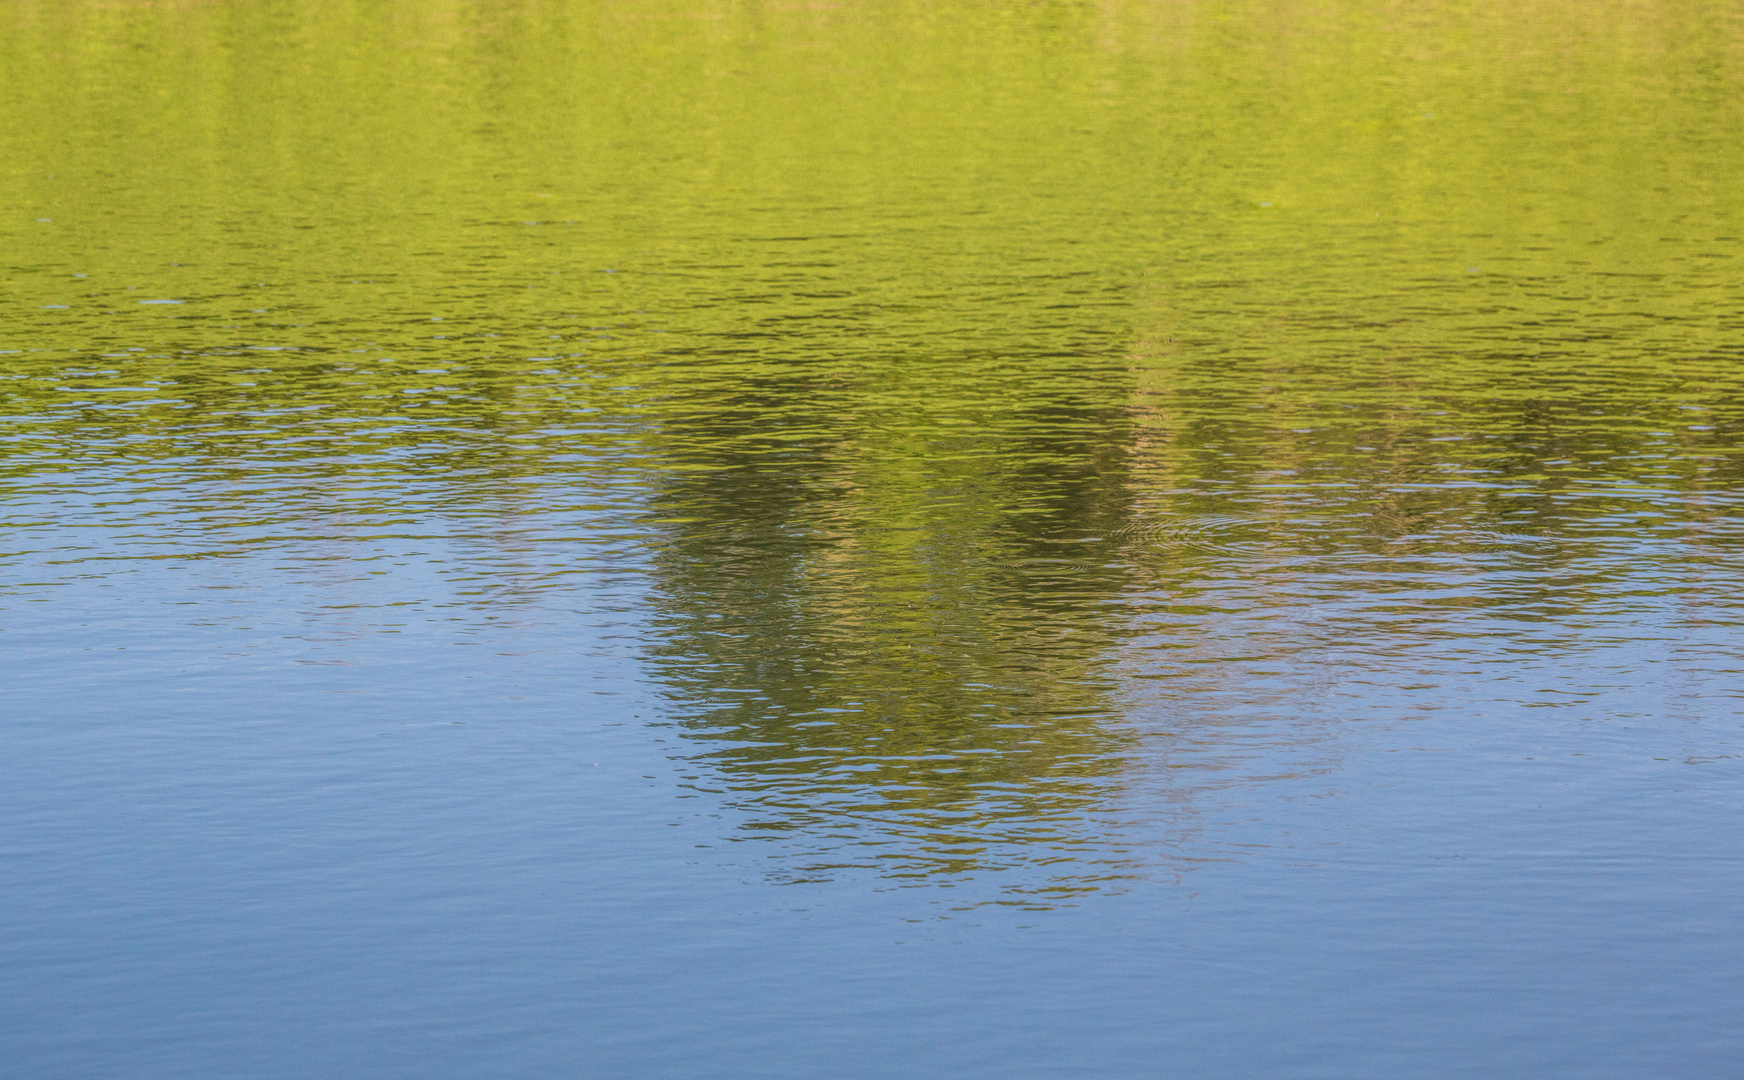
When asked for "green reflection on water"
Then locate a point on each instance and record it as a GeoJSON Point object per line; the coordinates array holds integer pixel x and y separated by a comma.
{"type": "Point", "coordinates": [936, 347]}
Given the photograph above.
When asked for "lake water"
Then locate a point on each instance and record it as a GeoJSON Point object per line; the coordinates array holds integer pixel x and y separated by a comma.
{"type": "Point", "coordinates": [694, 538]}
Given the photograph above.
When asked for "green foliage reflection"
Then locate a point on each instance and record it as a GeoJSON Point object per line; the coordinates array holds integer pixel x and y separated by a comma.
{"type": "Point", "coordinates": [932, 348]}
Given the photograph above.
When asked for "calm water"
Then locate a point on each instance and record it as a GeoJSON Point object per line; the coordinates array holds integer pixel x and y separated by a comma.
{"type": "Point", "coordinates": [870, 539]}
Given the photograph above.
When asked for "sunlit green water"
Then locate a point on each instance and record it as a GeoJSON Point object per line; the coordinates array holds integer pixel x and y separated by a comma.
{"type": "Point", "coordinates": [996, 429]}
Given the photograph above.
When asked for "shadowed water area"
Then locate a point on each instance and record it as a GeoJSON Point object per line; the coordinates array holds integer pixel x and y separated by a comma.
{"type": "Point", "coordinates": [977, 539]}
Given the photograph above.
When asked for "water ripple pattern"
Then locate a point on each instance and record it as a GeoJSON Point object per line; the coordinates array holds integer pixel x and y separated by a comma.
{"type": "Point", "coordinates": [541, 533]}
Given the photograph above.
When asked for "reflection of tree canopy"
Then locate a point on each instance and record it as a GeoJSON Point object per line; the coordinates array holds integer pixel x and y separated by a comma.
{"type": "Point", "coordinates": [834, 292]}
{"type": "Point", "coordinates": [881, 599]}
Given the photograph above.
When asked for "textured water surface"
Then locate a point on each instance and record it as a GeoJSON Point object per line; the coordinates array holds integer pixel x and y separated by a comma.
{"type": "Point", "coordinates": [871, 539]}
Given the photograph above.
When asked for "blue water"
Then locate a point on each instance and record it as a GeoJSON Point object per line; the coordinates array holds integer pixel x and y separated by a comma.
{"type": "Point", "coordinates": [261, 822]}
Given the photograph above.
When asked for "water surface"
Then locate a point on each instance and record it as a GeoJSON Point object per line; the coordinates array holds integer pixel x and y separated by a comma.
{"type": "Point", "coordinates": [869, 539]}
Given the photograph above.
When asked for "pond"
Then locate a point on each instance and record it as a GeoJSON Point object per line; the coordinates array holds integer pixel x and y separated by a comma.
{"type": "Point", "coordinates": [795, 540]}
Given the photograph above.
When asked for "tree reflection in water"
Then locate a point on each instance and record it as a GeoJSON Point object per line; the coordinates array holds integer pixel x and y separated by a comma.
{"type": "Point", "coordinates": [883, 602]}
